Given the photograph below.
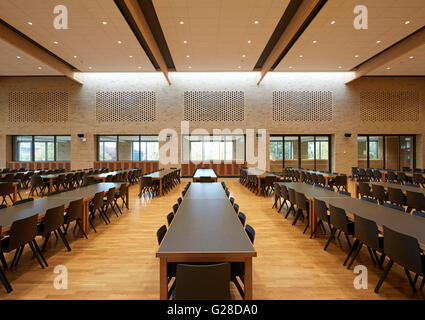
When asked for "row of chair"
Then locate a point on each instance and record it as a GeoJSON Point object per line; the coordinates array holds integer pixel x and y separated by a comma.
{"type": "Point", "coordinates": [399, 177]}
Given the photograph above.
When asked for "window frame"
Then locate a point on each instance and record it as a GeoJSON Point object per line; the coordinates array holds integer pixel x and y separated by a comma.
{"type": "Point", "coordinates": [16, 143]}
{"type": "Point", "coordinates": [140, 136]}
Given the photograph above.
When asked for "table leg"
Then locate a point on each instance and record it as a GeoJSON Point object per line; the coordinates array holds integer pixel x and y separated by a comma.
{"type": "Point", "coordinates": [85, 219]}
{"type": "Point", "coordinates": [163, 279]}
{"type": "Point", "coordinates": [15, 192]}
{"type": "Point", "coordinates": [50, 185]}
{"type": "Point", "coordinates": [357, 190]}
{"type": "Point", "coordinates": [248, 279]}
{"type": "Point", "coordinates": [259, 185]}
{"type": "Point", "coordinates": [160, 187]}
{"type": "Point", "coordinates": [346, 183]}
{"type": "Point", "coordinates": [327, 181]}
{"type": "Point", "coordinates": [127, 196]}
{"type": "Point", "coordinates": [313, 220]}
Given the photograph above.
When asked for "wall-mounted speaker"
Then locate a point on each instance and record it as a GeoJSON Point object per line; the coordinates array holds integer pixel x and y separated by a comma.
{"type": "Point", "coordinates": [347, 135]}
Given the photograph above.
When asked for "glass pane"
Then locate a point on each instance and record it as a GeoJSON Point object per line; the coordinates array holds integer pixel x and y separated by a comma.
{"type": "Point", "coordinates": [44, 148]}
{"type": "Point", "coordinates": [362, 152]}
{"type": "Point", "coordinates": [307, 153]}
{"type": "Point", "coordinates": [196, 151]}
{"type": "Point", "coordinates": [40, 151]}
{"type": "Point", "coordinates": [376, 152]}
{"type": "Point", "coordinates": [50, 151]}
{"type": "Point", "coordinates": [239, 147]}
{"type": "Point", "coordinates": [322, 153]}
{"type": "Point", "coordinates": [291, 152]}
{"type": "Point", "coordinates": [107, 148]}
{"type": "Point", "coordinates": [24, 151]}
{"type": "Point", "coordinates": [143, 153]}
{"type": "Point", "coordinates": [63, 148]}
{"type": "Point", "coordinates": [276, 153]}
{"type": "Point", "coordinates": [229, 145]}
{"type": "Point", "coordinates": [211, 150]}
{"type": "Point", "coordinates": [152, 151]}
{"type": "Point", "coordinates": [406, 152]}
{"type": "Point", "coordinates": [391, 152]}
{"type": "Point", "coordinates": [128, 148]}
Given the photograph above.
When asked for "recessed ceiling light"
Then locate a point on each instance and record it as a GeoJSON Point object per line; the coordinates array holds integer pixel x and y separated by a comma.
{"type": "Point", "coordinates": [55, 42]}
{"type": "Point", "coordinates": [139, 67]}
{"type": "Point", "coordinates": [119, 41]}
{"type": "Point", "coordinates": [256, 21]}
{"type": "Point", "coordinates": [244, 55]}
{"type": "Point", "coordinates": [30, 23]}
{"type": "Point", "coordinates": [239, 67]}
{"type": "Point", "coordinates": [314, 41]}
{"type": "Point", "coordinates": [249, 41]}
{"type": "Point", "coordinates": [75, 57]}
{"type": "Point", "coordinates": [301, 56]}
{"type": "Point", "coordinates": [339, 67]}
{"type": "Point", "coordinates": [181, 22]}
{"type": "Point", "coordinates": [290, 67]}
{"type": "Point", "coordinates": [411, 57]}
{"type": "Point", "coordinates": [388, 68]}
{"type": "Point", "coordinates": [378, 41]}
{"type": "Point", "coordinates": [19, 57]}
{"type": "Point", "coordinates": [184, 41]}
{"type": "Point", "coordinates": [39, 68]}
{"type": "Point", "coordinates": [130, 57]}
{"type": "Point", "coordinates": [90, 68]}
{"type": "Point", "coordinates": [406, 22]}
{"type": "Point", "coordinates": [190, 67]}
{"type": "Point", "coordinates": [333, 22]}
{"type": "Point", "coordinates": [356, 56]}
{"type": "Point", "coordinates": [104, 22]}
{"type": "Point", "coordinates": [187, 56]}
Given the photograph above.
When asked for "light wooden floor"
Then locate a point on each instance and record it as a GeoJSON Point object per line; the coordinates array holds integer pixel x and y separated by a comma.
{"type": "Point", "coordinates": [118, 262]}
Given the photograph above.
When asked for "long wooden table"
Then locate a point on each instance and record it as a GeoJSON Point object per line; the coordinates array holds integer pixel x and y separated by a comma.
{"type": "Point", "coordinates": [158, 176]}
{"type": "Point", "coordinates": [204, 173]}
{"type": "Point", "coordinates": [39, 207]}
{"type": "Point", "coordinates": [260, 174]}
{"type": "Point", "coordinates": [327, 175]}
{"type": "Point", "coordinates": [103, 176]}
{"type": "Point", "coordinates": [206, 229]}
{"type": "Point", "coordinates": [408, 173]}
{"type": "Point", "coordinates": [51, 178]}
{"type": "Point", "coordinates": [400, 221]}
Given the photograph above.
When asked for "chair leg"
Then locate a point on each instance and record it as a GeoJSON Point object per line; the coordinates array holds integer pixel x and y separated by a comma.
{"type": "Point", "coordinates": [422, 283]}
{"type": "Point", "coordinates": [412, 284]}
{"type": "Point", "coordinates": [19, 256]}
{"type": "Point", "coordinates": [371, 256]}
{"type": "Point", "coordinates": [348, 240]}
{"type": "Point", "coordinates": [354, 247]}
{"type": "Point", "coordinates": [5, 282]}
{"type": "Point", "coordinates": [65, 242]}
{"type": "Point", "coordinates": [315, 229]}
{"type": "Point", "coordinates": [355, 255]}
{"type": "Point", "coordinates": [77, 222]}
{"type": "Point", "coordinates": [116, 205]}
{"type": "Point", "coordinates": [39, 252]}
{"type": "Point", "coordinates": [3, 260]}
{"type": "Point", "coordinates": [299, 213]}
{"type": "Point", "coordinates": [91, 223]}
{"type": "Point", "coordinates": [384, 275]}
{"type": "Point", "coordinates": [45, 242]}
{"type": "Point", "coordinates": [12, 264]}
{"type": "Point", "coordinates": [331, 236]}
{"type": "Point", "coordinates": [36, 254]}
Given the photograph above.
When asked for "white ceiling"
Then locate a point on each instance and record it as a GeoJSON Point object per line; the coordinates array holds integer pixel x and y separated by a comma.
{"type": "Point", "coordinates": [217, 31]}
{"type": "Point", "coordinates": [337, 44]}
{"type": "Point", "coordinates": [94, 44]}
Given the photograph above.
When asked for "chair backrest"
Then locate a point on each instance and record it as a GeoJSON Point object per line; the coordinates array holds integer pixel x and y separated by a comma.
{"type": "Point", "coordinates": [393, 206]}
{"type": "Point", "coordinates": [391, 176]}
{"type": "Point", "coordinates": [396, 195]}
{"type": "Point", "coordinates": [170, 218]}
{"type": "Point", "coordinates": [364, 189]}
{"type": "Point", "coordinates": [402, 249]}
{"type": "Point", "coordinates": [98, 200]}
{"type": "Point", "coordinates": [242, 217]}
{"type": "Point", "coordinates": [236, 207]}
{"type": "Point", "coordinates": [175, 208]}
{"type": "Point", "coordinates": [250, 232]}
{"type": "Point", "coordinates": [36, 180]}
{"type": "Point", "coordinates": [203, 282]}
{"type": "Point", "coordinates": [418, 178]}
{"type": "Point", "coordinates": [292, 198]}
{"type": "Point", "coordinates": [53, 219]}
{"type": "Point", "coordinates": [122, 190]}
{"type": "Point", "coordinates": [179, 200]}
{"type": "Point", "coordinates": [75, 210]}
{"type": "Point", "coordinates": [338, 218]}
{"type": "Point", "coordinates": [378, 192]}
{"type": "Point", "coordinates": [415, 200]}
{"type": "Point", "coordinates": [232, 200]}
{"type": "Point", "coordinates": [161, 233]}
{"type": "Point", "coordinates": [6, 188]}
{"type": "Point", "coordinates": [269, 181]}
{"type": "Point", "coordinates": [22, 231]}
{"type": "Point", "coordinates": [320, 209]}
{"type": "Point", "coordinates": [110, 196]}
{"type": "Point", "coordinates": [366, 231]}
{"type": "Point", "coordinates": [301, 201]}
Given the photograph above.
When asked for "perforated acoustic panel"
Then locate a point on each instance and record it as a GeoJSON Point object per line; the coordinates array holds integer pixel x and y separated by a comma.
{"type": "Point", "coordinates": [214, 106]}
{"type": "Point", "coordinates": [38, 106]}
{"type": "Point", "coordinates": [302, 106]}
{"type": "Point", "coordinates": [389, 106]}
{"type": "Point", "coordinates": [125, 106]}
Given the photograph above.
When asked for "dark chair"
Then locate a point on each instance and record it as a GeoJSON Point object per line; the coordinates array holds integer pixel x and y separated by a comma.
{"type": "Point", "coordinates": [415, 200]}
{"type": "Point", "coordinates": [366, 233]}
{"type": "Point", "coordinates": [52, 222]}
{"type": "Point", "coordinates": [396, 196]}
{"type": "Point", "coordinates": [377, 175]}
{"type": "Point", "coordinates": [4, 279]}
{"type": "Point", "coordinates": [364, 189]}
{"type": "Point", "coordinates": [369, 200]}
{"type": "Point", "coordinates": [175, 208]}
{"type": "Point", "coordinates": [405, 251]}
{"type": "Point", "coordinates": [390, 176]}
{"type": "Point", "coordinates": [250, 232]}
{"type": "Point", "coordinates": [60, 183]}
{"type": "Point", "coordinates": [179, 200]}
{"type": "Point", "coordinates": [203, 282]}
{"type": "Point", "coordinates": [96, 205]}
{"type": "Point", "coordinates": [120, 194]}
{"type": "Point", "coordinates": [378, 192]}
{"type": "Point", "coordinates": [205, 179]}
{"type": "Point", "coordinates": [6, 190]}
{"type": "Point", "coordinates": [321, 212]}
{"type": "Point", "coordinates": [23, 201]}
{"type": "Point", "coordinates": [302, 206]}
{"type": "Point", "coordinates": [236, 207]}
{"type": "Point", "coordinates": [22, 232]}
{"type": "Point", "coordinates": [232, 200]}
{"type": "Point", "coordinates": [292, 202]}
{"type": "Point", "coordinates": [339, 222]}
{"type": "Point", "coordinates": [75, 213]}
{"type": "Point", "coordinates": [393, 206]}
{"type": "Point", "coordinates": [401, 177]}
{"type": "Point", "coordinates": [170, 218]}
{"type": "Point", "coordinates": [109, 202]}
{"type": "Point", "coordinates": [242, 218]}
{"type": "Point", "coordinates": [37, 184]}
{"type": "Point", "coordinates": [419, 179]}
{"type": "Point", "coordinates": [267, 185]}
{"type": "Point", "coordinates": [161, 233]}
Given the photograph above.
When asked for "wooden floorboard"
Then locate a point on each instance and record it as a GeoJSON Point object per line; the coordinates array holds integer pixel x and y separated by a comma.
{"type": "Point", "coordinates": [118, 262]}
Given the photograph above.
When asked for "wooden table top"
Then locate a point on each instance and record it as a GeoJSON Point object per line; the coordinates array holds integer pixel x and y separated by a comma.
{"type": "Point", "coordinates": [394, 219]}
{"type": "Point", "coordinates": [205, 173]}
{"type": "Point", "coordinates": [398, 186]}
{"type": "Point", "coordinates": [259, 172]}
{"type": "Point", "coordinates": [206, 223]}
{"type": "Point", "coordinates": [160, 173]}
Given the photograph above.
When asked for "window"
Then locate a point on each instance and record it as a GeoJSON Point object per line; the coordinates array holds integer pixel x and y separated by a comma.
{"type": "Point", "coordinates": [128, 148]}
{"type": "Point", "coordinates": [41, 148]}
{"type": "Point", "coordinates": [393, 152]}
{"type": "Point", "coordinates": [213, 148]}
{"type": "Point", "coordinates": [309, 152]}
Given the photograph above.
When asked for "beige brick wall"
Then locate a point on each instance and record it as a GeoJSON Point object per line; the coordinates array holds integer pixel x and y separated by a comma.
{"type": "Point", "coordinates": [258, 108]}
